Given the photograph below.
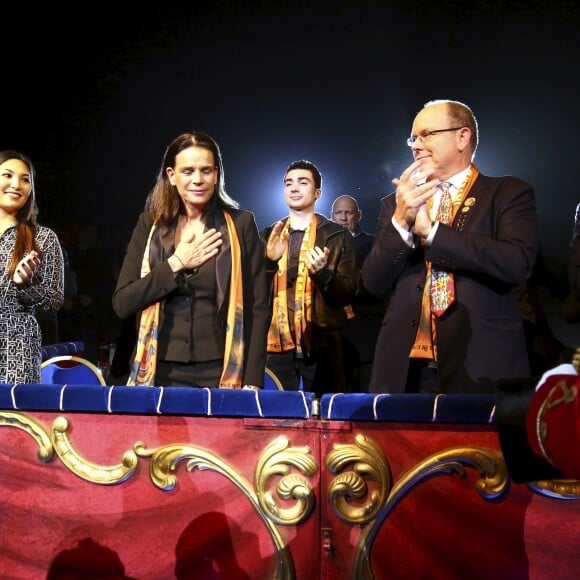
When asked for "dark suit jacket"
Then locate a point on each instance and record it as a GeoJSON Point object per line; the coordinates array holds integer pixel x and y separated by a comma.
{"type": "Point", "coordinates": [491, 248]}
{"type": "Point", "coordinates": [571, 304]}
{"type": "Point", "coordinates": [361, 332]}
{"type": "Point", "coordinates": [134, 293]}
{"type": "Point", "coordinates": [574, 259]}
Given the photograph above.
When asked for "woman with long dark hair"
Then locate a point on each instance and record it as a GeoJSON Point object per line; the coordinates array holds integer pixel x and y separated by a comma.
{"type": "Point", "coordinates": [194, 277]}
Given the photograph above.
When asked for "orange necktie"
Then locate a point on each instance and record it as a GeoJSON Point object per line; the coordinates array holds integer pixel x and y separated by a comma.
{"type": "Point", "coordinates": [442, 284]}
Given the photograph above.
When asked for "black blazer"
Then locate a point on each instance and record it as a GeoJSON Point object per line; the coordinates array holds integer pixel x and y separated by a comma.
{"type": "Point", "coordinates": [133, 293]}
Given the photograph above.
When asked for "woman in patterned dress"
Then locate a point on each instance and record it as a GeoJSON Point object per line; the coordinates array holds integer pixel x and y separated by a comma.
{"type": "Point", "coordinates": [32, 266]}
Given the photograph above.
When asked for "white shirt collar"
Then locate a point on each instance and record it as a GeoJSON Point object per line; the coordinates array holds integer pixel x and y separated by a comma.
{"type": "Point", "coordinates": [457, 179]}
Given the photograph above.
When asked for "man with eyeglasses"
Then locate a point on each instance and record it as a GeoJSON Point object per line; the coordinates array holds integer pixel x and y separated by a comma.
{"type": "Point", "coordinates": [452, 246]}
{"type": "Point", "coordinates": [360, 331]}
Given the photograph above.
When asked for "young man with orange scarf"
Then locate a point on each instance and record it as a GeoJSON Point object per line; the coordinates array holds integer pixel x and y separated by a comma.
{"type": "Point", "coordinates": [310, 264]}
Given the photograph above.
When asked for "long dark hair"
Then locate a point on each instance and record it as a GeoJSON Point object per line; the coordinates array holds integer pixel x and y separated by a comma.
{"type": "Point", "coordinates": [25, 217]}
{"type": "Point", "coordinates": [165, 203]}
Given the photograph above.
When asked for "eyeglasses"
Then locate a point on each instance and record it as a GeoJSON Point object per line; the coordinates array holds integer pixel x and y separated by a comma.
{"type": "Point", "coordinates": [422, 137]}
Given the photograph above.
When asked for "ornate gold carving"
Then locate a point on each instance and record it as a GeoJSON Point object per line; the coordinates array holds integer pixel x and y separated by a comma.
{"type": "Point", "coordinates": [275, 460]}
{"type": "Point", "coordinates": [165, 460]}
{"type": "Point", "coordinates": [576, 359]}
{"type": "Point", "coordinates": [33, 428]}
{"type": "Point", "coordinates": [567, 489]}
{"type": "Point", "coordinates": [368, 461]}
{"type": "Point", "coordinates": [560, 394]}
{"type": "Point", "coordinates": [103, 475]}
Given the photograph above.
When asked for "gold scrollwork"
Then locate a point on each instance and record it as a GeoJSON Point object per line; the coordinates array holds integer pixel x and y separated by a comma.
{"type": "Point", "coordinates": [102, 475]}
{"type": "Point", "coordinates": [493, 484]}
{"type": "Point", "coordinates": [275, 460]}
{"type": "Point", "coordinates": [576, 359]}
{"type": "Point", "coordinates": [560, 394]}
{"type": "Point", "coordinates": [566, 489]}
{"type": "Point", "coordinates": [165, 460]}
{"type": "Point", "coordinates": [33, 428]}
{"type": "Point", "coordinates": [367, 460]}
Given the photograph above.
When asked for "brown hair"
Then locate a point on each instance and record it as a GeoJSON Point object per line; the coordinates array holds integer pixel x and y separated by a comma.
{"type": "Point", "coordinates": [165, 203]}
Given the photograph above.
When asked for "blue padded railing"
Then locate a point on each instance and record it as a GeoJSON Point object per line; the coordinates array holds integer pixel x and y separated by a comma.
{"type": "Point", "coordinates": [62, 348]}
{"type": "Point", "coordinates": [156, 400]}
{"type": "Point", "coordinates": [423, 408]}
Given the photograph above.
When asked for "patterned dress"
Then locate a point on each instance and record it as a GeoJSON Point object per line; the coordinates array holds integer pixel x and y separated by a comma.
{"type": "Point", "coordinates": [20, 337]}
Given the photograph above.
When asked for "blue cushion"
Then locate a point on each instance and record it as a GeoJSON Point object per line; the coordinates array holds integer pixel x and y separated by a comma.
{"type": "Point", "coordinates": [422, 407]}
{"type": "Point", "coordinates": [156, 400]}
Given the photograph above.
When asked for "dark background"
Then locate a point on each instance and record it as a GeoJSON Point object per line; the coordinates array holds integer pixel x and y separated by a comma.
{"type": "Point", "coordinates": [94, 95]}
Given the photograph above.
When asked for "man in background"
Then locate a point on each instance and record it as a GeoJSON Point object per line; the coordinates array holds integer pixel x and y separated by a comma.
{"type": "Point", "coordinates": [361, 331]}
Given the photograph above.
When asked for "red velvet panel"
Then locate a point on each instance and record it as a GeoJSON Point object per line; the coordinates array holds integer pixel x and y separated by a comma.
{"type": "Point", "coordinates": [203, 528]}
{"type": "Point", "coordinates": [442, 528]}
{"type": "Point", "coordinates": [206, 527]}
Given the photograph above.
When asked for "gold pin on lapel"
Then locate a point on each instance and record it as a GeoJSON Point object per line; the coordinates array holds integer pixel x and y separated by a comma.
{"type": "Point", "coordinates": [469, 201]}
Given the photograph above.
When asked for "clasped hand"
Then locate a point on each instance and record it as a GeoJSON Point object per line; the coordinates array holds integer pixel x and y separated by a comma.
{"type": "Point", "coordinates": [316, 258]}
{"type": "Point", "coordinates": [414, 188]}
{"type": "Point", "coordinates": [25, 268]}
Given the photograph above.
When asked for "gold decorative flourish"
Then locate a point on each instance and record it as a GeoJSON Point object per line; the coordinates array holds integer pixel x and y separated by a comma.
{"type": "Point", "coordinates": [165, 460]}
{"type": "Point", "coordinates": [560, 394]}
{"type": "Point", "coordinates": [275, 460]}
{"type": "Point", "coordinates": [567, 489]}
{"type": "Point", "coordinates": [368, 461]}
{"type": "Point", "coordinates": [103, 475]}
{"type": "Point", "coordinates": [576, 359]}
{"type": "Point", "coordinates": [494, 483]}
{"type": "Point", "coordinates": [33, 428]}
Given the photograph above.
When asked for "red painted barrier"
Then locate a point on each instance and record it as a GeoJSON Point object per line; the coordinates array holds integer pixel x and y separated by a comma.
{"type": "Point", "coordinates": [157, 497]}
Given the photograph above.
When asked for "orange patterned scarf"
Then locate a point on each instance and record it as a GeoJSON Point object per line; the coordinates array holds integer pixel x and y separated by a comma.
{"type": "Point", "coordinates": [145, 364]}
{"type": "Point", "coordinates": [234, 351]}
{"type": "Point", "coordinates": [279, 335]}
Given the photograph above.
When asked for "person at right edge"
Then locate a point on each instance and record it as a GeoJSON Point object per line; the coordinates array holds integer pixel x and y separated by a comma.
{"type": "Point", "coordinates": [571, 303]}
{"type": "Point", "coordinates": [453, 324]}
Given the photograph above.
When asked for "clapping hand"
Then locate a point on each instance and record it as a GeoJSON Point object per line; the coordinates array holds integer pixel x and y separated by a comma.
{"type": "Point", "coordinates": [276, 242]}
{"type": "Point", "coordinates": [316, 259]}
{"type": "Point", "coordinates": [414, 188]}
{"type": "Point", "coordinates": [25, 268]}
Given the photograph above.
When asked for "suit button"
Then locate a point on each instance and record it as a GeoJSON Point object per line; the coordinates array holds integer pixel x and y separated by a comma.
{"type": "Point", "coordinates": [413, 323]}
{"type": "Point", "coordinates": [420, 287]}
